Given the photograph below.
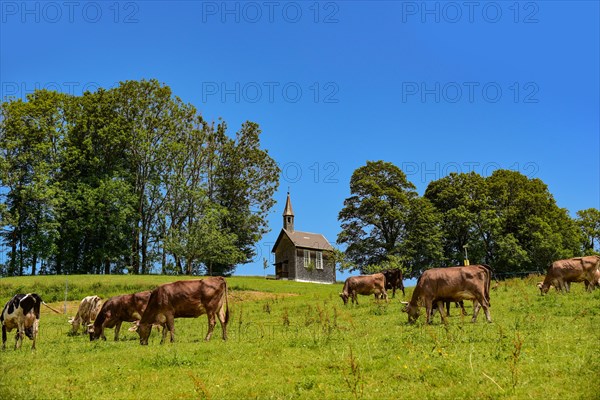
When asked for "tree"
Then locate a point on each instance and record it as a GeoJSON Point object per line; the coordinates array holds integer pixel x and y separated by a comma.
{"type": "Point", "coordinates": [531, 231]}
{"type": "Point", "coordinates": [126, 179]}
{"type": "Point", "coordinates": [461, 201]}
{"type": "Point", "coordinates": [98, 205]}
{"type": "Point", "coordinates": [381, 216]}
{"type": "Point", "coordinates": [588, 222]}
{"type": "Point", "coordinates": [508, 221]}
{"type": "Point", "coordinates": [153, 118]}
{"type": "Point", "coordinates": [244, 181]}
{"type": "Point", "coordinates": [30, 136]}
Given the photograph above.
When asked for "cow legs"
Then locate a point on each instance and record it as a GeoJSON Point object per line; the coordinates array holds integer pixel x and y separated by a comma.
{"type": "Point", "coordinates": [212, 321]}
{"type": "Point", "coordinates": [35, 328]}
{"type": "Point", "coordinates": [3, 337]}
{"type": "Point", "coordinates": [440, 307]}
{"type": "Point", "coordinates": [429, 310]}
{"type": "Point", "coordinates": [462, 307]}
{"type": "Point", "coordinates": [19, 336]}
{"type": "Point", "coordinates": [354, 297]}
{"type": "Point", "coordinates": [117, 329]}
{"type": "Point", "coordinates": [477, 304]}
{"type": "Point", "coordinates": [170, 325]}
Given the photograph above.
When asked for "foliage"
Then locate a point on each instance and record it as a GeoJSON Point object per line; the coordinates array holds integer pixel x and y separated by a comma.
{"type": "Point", "coordinates": [127, 179]}
{"type": "Point", "coordinates": [507, 220]}
{"type": "Point", "coordinates": [309, 346]}
{"type": "Point", "coordinates": [384, 216]}
{"type": "Point", "coordinates": [589, 222]}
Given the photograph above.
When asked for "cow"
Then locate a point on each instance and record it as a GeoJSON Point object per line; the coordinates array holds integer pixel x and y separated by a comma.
{"type": "Point", "coordinates": [393, 280]}
{"type": "Point", "coordinates": [579, 269]}
{"type": "Point", "coordinates": [438, 285]}
{"type": "Point", "coordinates": [88, 310]}
{"type": "Point", "coordinates": [365, 285]}
{"type": "Point", "coordinates": [21, 312]}
{"type": "Point", "coordinates": [116, 310]}
{"type": "Point", "coordinates": [186, 299]}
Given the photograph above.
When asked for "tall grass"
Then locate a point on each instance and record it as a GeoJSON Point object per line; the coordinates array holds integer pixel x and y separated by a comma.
{"type": "Point", "coordinates": [290, 340]}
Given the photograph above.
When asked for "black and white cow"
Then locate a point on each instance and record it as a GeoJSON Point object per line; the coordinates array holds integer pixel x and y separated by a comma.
{"type": "Point", "coordinates": [21, 312]}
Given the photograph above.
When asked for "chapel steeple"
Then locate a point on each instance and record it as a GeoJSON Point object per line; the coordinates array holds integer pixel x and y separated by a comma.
{"type": "Point", "coordinates": [288, 215]}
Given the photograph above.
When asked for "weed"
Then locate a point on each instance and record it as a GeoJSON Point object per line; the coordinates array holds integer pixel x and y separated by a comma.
{"type": "Point", "coordinates": [354, 378]}
{"type": "Point", "coordinates": [515, 357]}
{"type": "Point", "coordinates": [285, 317]}
{"type": "Point", "coordinates": [200, 387]}
{"type": "Point", "coordinates": [267, 307]}
{"type": "Point", "coordinates": [240, 322]}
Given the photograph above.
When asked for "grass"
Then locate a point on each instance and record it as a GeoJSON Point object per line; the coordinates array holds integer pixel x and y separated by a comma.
{"type": "Point", "coordinates": [290, 340]}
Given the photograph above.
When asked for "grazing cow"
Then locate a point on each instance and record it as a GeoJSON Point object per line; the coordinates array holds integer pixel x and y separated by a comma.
{"type": "Point", "coordinates": [87, 312]}
{"type": "Point", "coordinates": [393, 280]}
{"type": "Point", "coordinates": [116, 310]}
{"type": "Point", "coordinates": [365, 285]}
{"type": "Point", "coordinates": [579, 269]}
{"type": "Point", "coordinates": [438, 285]}
{"type": "Point", "coordinates": [186, 299]}
{"type": "Point", "coordinates": [21, 312]}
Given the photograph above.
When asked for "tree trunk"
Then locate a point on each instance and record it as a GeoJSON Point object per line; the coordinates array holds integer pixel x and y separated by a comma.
{"type": "Point", "coordinates": [20, 255]}
{"type": "Point", "coordinates": [164, 259]}
{"type": "Point", "coordinates": [178, 266]}
{"type": "Point", "coordinates": [13, 256]}
{"type": "Point", "coordinates": [144, 250]}
{"type": "Point", "coordinates": [135, 258]}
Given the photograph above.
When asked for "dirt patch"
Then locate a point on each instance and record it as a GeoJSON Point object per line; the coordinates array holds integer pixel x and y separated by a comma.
{"type": "Point", "coordinates": [238, 296]}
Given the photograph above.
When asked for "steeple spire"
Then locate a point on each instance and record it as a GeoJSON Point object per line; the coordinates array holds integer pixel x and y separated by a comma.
{"type": "Point", "coordinates": [288, 215]}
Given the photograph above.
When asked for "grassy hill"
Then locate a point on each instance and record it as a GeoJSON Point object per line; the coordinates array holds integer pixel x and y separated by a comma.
{"type": "Point", "coordinates": [290, 340]}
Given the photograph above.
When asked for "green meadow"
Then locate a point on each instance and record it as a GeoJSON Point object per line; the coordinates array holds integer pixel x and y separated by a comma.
{"type": "Point", "coordinates": [290, 340]}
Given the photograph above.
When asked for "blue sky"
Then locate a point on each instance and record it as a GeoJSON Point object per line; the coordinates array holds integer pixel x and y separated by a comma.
{"type": "Point", "coordinates": [432, 87]}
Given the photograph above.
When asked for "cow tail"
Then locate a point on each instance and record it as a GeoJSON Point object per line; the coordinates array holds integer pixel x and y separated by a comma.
{"type": "Point", "coordinates": [488, 282]}
{"type": "Point", "coordinates": [226, 304]}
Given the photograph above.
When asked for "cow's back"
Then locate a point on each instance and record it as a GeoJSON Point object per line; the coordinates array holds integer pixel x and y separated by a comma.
{"type": "Point", "coordinates": [184, 299]}
{"type": "Point", "coordinates": [448, 282]}
{"type": "Point", "coordinates": [367, 284]}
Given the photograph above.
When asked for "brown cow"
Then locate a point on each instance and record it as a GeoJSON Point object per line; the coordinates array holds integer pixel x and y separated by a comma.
{"type": "Point", "coordinates": [87, 312]}
{"type": "Point", "coordinates": [393, 280]}
{"type": "Point", "coordinates": [116, 310]}
{"type": "Point", "coordinates": [579, 269]}
{"type": "Point", "coordinates": [365, 285]}
{"type": "Point", "coordinates": [186, 299]}
{"type": "Point", "coordinates": [438, 285]}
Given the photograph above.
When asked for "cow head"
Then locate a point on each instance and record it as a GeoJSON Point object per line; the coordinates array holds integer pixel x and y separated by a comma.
{"type": "Point", "coordinates": [144, 331]}
{"type": "Point", "coordinates": [411, 310]}
{"type": "Point", "coordinates": [94, 333]}
{"type": "Point", "coordinates": [543, 288]}
{"type": "Point", "coordinates": [344, 297]}
{"type": "Point", "coordinates": [74, 324]}
{"type": "Point", "coordinates": [29, 332]}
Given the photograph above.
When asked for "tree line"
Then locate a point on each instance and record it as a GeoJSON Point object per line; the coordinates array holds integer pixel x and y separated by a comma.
{"type": "Point", "coordinates": [505, 220]}
{"type": "Point", "coordinates": [133, 180]}
{"type": "Point", "coordinates": [128, 180]}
